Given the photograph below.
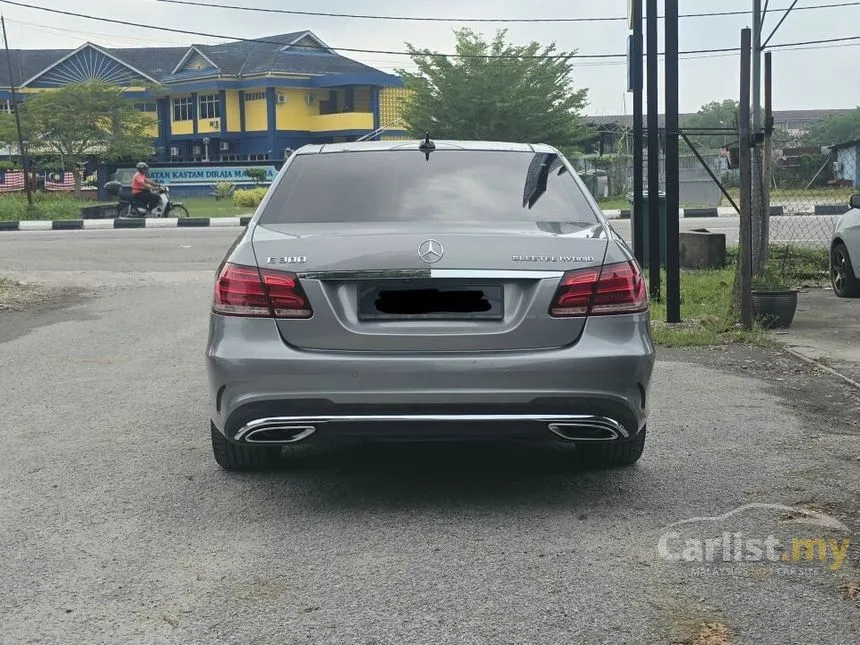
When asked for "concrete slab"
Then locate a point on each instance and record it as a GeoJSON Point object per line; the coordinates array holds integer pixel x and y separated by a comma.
{"type": "Point", "coordinates": [827, 329]}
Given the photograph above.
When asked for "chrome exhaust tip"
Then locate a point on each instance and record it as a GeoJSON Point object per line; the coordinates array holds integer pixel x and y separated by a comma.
{"type": "Point", "coordinates": [592, 430]}
{"type": "Point", "coordinates": [278, 435]}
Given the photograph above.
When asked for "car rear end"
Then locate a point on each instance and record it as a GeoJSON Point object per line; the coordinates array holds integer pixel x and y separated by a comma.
{"type": "Point", "coordinates": [473, 291]}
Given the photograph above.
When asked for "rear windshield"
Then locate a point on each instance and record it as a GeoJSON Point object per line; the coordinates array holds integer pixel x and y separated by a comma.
{"type": "Point", "coordinates": [453, 185]}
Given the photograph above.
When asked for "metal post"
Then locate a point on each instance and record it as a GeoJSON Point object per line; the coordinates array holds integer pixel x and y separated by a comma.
{"type": "Point", "coordinates": [745, 251]}
{"type": "Point", "coordinates": [653, 156]}
{"type": "Point", "coordinates": [756, 67]}
{"type": "Point", "coordinates": [768, 153]}
{"type": "Point", "coordinates": [638, 219]}
{"type": "Point", "coordinates": [757, 213]}
{"type": "Point", "coordinates": [673, 243]}
{"type": "Point", "coordinates": [25, 163]}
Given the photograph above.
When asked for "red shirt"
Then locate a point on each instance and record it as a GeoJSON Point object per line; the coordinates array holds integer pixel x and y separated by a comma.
{"type": "Point", "coordinates": [138, 184]}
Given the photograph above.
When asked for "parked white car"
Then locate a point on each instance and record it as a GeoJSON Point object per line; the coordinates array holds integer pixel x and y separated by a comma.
{"type": "Point", "coordinates": [845, 253]}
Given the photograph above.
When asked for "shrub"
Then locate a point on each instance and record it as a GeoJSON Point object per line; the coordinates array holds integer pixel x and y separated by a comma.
{"type": "Point", "coordinates": [46, 206]}
{"type": "Point", "coordinates": [250, 198]}
{"type": "Point", "coordinates": [223, 190]}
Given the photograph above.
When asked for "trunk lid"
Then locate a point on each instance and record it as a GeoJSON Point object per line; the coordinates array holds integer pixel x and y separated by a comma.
{"type": "Point", "coordinates": [478, 288]}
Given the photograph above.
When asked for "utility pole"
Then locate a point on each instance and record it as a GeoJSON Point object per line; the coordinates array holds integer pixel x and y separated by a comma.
{"type": "Point", "coordinates": [745, 153]}
{"type": "Point", "coordinates": [673, 259]}
{"type": "Point", "coordinates": [653, 157]}
{"type": "Point", "coordinates": [24, 162]}
{"type": "Point", "coordinates": [637, 82]}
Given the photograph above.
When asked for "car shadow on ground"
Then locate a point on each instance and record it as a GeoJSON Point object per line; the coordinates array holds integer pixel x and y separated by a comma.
{"type": "Point", "coordinates": [427, 475]}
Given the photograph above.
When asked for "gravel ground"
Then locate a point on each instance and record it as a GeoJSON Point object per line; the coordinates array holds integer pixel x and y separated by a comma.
{"type": "Point", "coordinates": [117, 526]}
{"type": "Point", "coordinates": [15, 296]}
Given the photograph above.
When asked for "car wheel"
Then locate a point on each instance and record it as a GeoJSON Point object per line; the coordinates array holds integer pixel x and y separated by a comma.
{"type": "Point", "coordinates": [845, 283]}
{"type": "Point", "coordinates": [612, 454]}
{"type": "Point", "coordinates": [232, 456]}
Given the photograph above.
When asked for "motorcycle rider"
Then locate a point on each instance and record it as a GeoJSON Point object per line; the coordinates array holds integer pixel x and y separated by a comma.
{"type": "Point", "coordinates": [142, 188]}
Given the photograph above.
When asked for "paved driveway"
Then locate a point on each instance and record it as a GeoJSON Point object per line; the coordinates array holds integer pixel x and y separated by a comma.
{"type": "Point", "coordinates": [117, 527]}
{"type": "Point", "coordinates": [827, 329]}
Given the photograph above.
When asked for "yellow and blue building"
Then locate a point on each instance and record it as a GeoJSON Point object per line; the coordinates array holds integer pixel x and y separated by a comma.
{"type": "Point", "coordinates": [232, 102]}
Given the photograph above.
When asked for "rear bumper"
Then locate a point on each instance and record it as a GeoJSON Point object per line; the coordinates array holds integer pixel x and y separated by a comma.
{"type": "Point", "coordinates": [601, 382]}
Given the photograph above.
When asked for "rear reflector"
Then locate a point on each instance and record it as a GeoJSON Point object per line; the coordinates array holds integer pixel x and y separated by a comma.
{"type": "Point", "coordinates": [613, 289]}
{"type": "Point", "coordinates": [248, 291]}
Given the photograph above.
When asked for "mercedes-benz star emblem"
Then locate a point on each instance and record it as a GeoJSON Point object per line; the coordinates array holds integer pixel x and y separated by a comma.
{"type": "Point", "coordinates": [430, 251]}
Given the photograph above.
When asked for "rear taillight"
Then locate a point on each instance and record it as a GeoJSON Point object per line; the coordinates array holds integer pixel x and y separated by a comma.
{"type": "Point", "coordinates": [613, 289]}
{"type": "Point", "coordinates": [248, 291]}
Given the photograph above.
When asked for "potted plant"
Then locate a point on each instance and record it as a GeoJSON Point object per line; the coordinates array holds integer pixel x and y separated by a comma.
{"type": "Point", "coordinates": [774, 300]}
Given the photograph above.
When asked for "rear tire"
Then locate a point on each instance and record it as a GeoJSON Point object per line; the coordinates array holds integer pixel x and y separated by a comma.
{"type": "Point", "coordinates": [612, 454]}
{"type": "Point", "coordinates": [845, 283]}
{"type": "Point", "coordinates": [235, 457]}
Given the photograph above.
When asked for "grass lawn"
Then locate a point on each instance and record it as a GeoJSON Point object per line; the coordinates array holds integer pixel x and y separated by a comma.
{"type": "Point", "coordinates": [794, 195]}
{"type": "Point", "coordinates": [798, 195]}
{"type": "Point", "coordinates": [45, 206]}
{"type": "Point", "coordinates": [705, 313]}
{"type": "Point", "coordinates": [706, 298]}
{"type": "Point", "coordinates": [613, 203]}
{"type": "Point", "coordinates": [210, 207]}
{"type": "Point", "coordinates": [65, 207]}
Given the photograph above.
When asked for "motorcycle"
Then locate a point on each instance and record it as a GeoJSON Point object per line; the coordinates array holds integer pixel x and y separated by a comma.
{"type": "Point", "coordinates": [126, 206]}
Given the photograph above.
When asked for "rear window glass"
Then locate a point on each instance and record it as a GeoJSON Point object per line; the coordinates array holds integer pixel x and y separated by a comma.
{"type": "Point", "coordinates": [402, 185]}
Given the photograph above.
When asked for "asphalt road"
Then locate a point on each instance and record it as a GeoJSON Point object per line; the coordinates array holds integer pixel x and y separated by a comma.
{"type": "Point", "coordinates": [117, 527]}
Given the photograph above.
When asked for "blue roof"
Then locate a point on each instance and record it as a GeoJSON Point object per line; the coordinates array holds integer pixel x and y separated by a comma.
{"type": "Point", "coordinates": [275, 54]}
{"type": "Point", "coordinates": [280, 54]}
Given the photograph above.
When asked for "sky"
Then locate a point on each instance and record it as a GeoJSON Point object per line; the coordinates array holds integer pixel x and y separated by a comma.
{"type": "Point", "coordinates": [820, 78]}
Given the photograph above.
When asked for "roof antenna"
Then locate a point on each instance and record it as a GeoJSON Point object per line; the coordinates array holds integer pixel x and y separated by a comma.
{"type": "Point", "coordinates": [427, 146]}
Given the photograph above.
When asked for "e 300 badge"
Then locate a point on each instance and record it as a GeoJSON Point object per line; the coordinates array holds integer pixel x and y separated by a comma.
{"type": "Point", "coordinates": [292, 259]}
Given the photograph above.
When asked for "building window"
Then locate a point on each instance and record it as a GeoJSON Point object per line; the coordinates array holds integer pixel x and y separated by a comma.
{"type": "Point", "coordinates": [255, 96]}
{"type": "Point", "coordinates": [229, 157]}
{"type": "Point", "coordinates": [210, 107]}
{"type": "Point", "coordinates": [260, 157]}
{"type": "Point", "coordinates": [146, 107]}
{"type": "Point", "coordinates": [182, 109]}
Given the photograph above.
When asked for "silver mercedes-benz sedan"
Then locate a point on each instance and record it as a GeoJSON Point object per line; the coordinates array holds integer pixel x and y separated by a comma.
{"type": "Point", "coordinates": [428, 290]}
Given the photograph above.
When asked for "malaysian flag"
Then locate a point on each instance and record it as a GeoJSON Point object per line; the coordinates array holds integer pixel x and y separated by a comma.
{"type": "Point", "coordinates": [57, 181]}
{"type": "Point", "coordinates": [12, 182]}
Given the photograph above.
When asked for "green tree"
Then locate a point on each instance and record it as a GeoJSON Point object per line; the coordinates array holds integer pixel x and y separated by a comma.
{"type": "Point", "coordinates": [82, 119]}
{"type": "Point", "coordinates": [526, 95]}
{"type": "Point", "coordinates": [257, 175]}
{"type": "Point", "coordinates": [835, 129]}
{"type": "Point", "coordinates": [717, 114]}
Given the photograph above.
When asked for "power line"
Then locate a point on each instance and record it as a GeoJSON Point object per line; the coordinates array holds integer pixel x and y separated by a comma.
{"type": "Point", "coordinates": [49, 29]}
{"type": "Point", "coordinates": [128, 40]}
{"type": "Point", "coordinates": [824, 41]}
{"type": "Point", "coordinates": [294, 12]}
{"type": "Point", "coordinates": [135, 42]}
{"type": "Point", "coordinates": [267, 41]}
{"type": "Point", "coordinates": [426, 53]}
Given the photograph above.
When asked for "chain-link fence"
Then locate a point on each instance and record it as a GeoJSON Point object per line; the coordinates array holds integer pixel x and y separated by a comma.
{"type": "Point", "coordinates": [610, 177]}
{"type": "Point", "coordinates": [800, 191]}
{"type": "Point", "coordinates": [807, 188]}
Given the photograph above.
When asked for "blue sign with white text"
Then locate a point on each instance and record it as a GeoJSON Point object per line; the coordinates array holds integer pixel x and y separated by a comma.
{"type": "Point", "coordinates": [199, 176]}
